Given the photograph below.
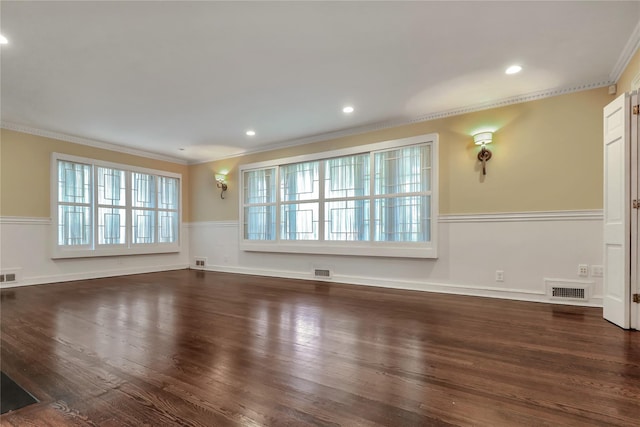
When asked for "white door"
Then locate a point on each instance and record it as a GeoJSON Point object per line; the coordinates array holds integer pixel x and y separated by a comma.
{"type": "Point", "coordinates": [635, 213]}
{"type": "Point", "coordinates": [617, 207]}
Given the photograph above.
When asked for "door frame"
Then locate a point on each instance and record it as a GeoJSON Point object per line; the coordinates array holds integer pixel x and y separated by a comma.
{"type": "Point", "coordinates": [635, 213]}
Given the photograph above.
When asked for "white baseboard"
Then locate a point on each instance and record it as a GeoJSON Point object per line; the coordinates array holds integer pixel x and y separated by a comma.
{"type": "Point", "coordinates": [93, 275]}
{"type": "Point", "coordinates": [444, 288]}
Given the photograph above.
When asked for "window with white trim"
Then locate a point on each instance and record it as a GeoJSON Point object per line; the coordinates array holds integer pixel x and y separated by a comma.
{"type": "Point", "coordinates": [101, 208]}
{"type": "Point", "coordinates": [374, 200]}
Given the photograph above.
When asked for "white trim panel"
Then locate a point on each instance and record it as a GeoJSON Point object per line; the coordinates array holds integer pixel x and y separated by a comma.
{"type": "Point", "coordinates": [580, 215]}
{"type": "Point", "coordinates": [443, 288]}
{"type": "Point", "coordinates": [528, 250]}
{"type": "Point", "coordinates": [24, 220]}
{"type": "Point", "coordinates": [25, 246]}
{"type": "Point", "coordinates": [40, 280]}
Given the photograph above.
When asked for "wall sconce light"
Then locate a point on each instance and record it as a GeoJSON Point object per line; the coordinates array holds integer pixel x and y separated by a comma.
{"type": "Point", "coordinates": [221, 183]}
{"type": "Point", "coordinates": [483, 138]}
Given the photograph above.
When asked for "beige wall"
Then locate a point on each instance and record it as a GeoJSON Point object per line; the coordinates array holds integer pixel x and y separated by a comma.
{"type": "Point", "coordinates": [629, 73]}
{"type": "Point", "coordinates": [547, 155]}
{"type": "Point", "coordinates": [24, 175]}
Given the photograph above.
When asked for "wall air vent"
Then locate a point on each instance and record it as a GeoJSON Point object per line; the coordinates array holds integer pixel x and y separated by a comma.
{"type": "Point", "coordinates": [568, 290]}
{"type": "Point", "coordinates": [322, 273]}
{"type": "Point", "coordinates": [9, 277]}
{"type": "Point", "coordinates": [571, 293]}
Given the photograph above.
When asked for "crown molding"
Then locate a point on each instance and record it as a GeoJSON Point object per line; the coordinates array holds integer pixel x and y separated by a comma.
{"type": "Point", "coordinates": [627, 53]}
{"type": "Point", "coordinates": [533, 96]}
{"type": "Point", "coordinates": [90, 142]}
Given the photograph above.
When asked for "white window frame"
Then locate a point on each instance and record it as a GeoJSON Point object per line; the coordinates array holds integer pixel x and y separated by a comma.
{"type": "Point", "coordinates": [332, 247]}
{"type": "Point", "coordinates": [95, 249]}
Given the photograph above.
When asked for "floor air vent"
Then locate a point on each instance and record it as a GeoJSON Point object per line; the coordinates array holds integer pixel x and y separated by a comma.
{"type": "Point", "coordinates": [322, 273]}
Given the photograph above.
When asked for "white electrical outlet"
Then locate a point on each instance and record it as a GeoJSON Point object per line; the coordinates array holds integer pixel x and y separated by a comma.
{"type": "Point", "coordinates": [200, 262]}
{"type": "Point", "coordinates": [597, 270]}
{"type": "Point", "coordinates": [583, 270]}
{"type": "Point", "coordinates": [499, 276]}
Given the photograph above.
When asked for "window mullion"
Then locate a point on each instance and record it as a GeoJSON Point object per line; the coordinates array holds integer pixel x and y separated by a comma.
{"type": "Point", "coordinates": [156, 209]}
{"type": "Point", "coordinates": [372, 206]}
{"type": "Point", "coordinates": [128, 210]}
{"type": "Point", "coordinates": [321, 204]}
{"type": "Point", "coordinates": [94, 208]}
{"type": "Point", "coordinates": [278, 203]}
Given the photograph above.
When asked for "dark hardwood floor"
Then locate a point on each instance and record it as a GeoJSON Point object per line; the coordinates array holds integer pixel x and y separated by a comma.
{"type": "Point", "coordinates": [211, 349]}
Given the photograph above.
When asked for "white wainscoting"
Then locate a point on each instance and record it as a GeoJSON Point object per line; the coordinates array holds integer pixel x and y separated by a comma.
{"type": "Point", "coordinates": [25, 250]}
{"type": "Point", "coordinates": [530, 247]}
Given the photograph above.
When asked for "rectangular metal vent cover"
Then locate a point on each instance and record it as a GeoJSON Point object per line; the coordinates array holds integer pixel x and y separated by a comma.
{"type": "Point", "coordinates": [569, 290]}
{"type": "Point", "coordinates": [322, 273]}
{"type": "Point", "coordinates": [571, 293]}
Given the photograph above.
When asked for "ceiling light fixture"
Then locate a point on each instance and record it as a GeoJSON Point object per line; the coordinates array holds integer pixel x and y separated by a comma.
{"type": "Point", "coordinates": [251, 133]}
{"type": "Point", "coordinates": [3, 39]}
{"type": "Point", "coordinates": [513, 69]}
{"type": "Point", "coordinates": [348, 109]}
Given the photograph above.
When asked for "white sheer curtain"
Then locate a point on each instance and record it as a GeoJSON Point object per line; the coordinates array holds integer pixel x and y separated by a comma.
{"type": "Point", "coordinates": [347, 178]}
{"type": "Point", "coordinates": [259, 200]}
{"type": "Point", "coordinates": [75, 222]}
{"type": "Point", "coordinates": [111, 200]}
{"type": "Point", "coordinates": [403, 217]}
{"type": "Point", "coordinates": [168, 201]}
{"type": "Point", "coordinates": [397, 211]}
{"type": "Point", "coordinates": [299, 184]}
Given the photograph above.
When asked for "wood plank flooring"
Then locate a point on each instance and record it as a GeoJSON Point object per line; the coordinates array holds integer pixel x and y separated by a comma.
{"type": "Point", "coordinates": [197, 348]}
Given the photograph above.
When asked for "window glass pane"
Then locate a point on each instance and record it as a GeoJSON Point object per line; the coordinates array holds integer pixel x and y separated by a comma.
{"type": "Point", "coordinates": [111, 187]}
{"type": "Point", "coordinates": [405, 170]}
{"type": "Point", "coordinates": [347, 220]}
{"type": "Point", "coordinates": [168, 195]}
{"type": "Point", "coordinates": [112, 224]}
{"type": "Point", "coordinates": [347, 176]}
{"type": "Point", "coordinates": [260, 186]}
{"type": "Point", "coordinates": [167, 226]}
{"type": "Point", "coordinates": [74, 225]}
{"type": "Point", "coordinates": [299, 221]}
{"type": "Point", "coordinates": [74, 182]}
{"type": "Point", "coordinates": [143, 226]}
{"type": "Point", "coordinates": [299, 181]}
{"type": "Point", "coordinates": [142, 191]}
{"type": "Point", "coordinates": [402, 219]}
{"type": "Point", "coordinates": [260, 223]}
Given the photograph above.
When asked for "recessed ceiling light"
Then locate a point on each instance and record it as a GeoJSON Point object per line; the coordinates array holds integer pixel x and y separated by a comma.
{"type": "Point", "coordinates": [348, 109]}
{"type": "Point", "coordinates": [513, 69]}
{"type": "Point", "coordinates": [3, 39]}
{"type": "Point", "coordinates": [251, 132]}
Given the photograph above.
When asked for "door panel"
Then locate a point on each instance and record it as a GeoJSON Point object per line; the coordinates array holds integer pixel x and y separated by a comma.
{"type": "Point", "coordinates": [617, 245]}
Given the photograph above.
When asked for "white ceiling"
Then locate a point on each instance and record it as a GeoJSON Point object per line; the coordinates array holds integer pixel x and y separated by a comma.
{"type": "Point", "coordinates": [161, 76]}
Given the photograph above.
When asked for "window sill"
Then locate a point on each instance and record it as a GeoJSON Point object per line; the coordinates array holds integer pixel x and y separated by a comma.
{"type": "Point", "coordinates": [60, 253]}
{"type": "Point", "coordinates": [389, 250]}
